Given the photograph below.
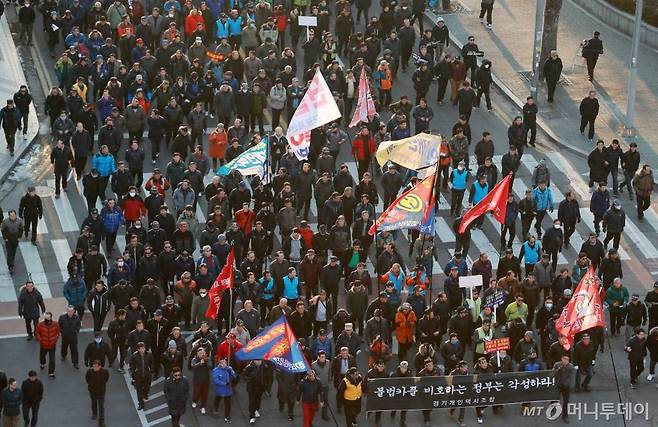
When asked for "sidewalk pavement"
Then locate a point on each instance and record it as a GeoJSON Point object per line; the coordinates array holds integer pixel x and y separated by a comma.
{"type": "Point", "coordinates": [11, 77]}
{"type": "Point", "coordinates": [509, 46]}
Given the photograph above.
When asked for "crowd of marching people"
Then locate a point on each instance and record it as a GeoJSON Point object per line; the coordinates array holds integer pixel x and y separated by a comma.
{"type": "Point", "coordinates": [165, 73]}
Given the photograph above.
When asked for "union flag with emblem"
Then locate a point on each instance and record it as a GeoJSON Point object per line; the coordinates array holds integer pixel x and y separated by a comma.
{"type": "Point", "coordinates": [413, 209]}
{"type": "Point", "coordinates": [583, 311]}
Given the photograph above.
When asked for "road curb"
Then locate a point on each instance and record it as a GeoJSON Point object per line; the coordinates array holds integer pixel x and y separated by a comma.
{"type": "Point", "coordinates": [509, 94]}
{"type": "Point", "coordinates": [8, 42]}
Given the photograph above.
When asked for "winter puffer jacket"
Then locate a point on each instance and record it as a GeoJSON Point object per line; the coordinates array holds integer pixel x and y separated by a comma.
{"type": "Point", "coordinates": [75, 292]}
{"type": "Point", "coordinates": [615, 220]}
{"type": "Point", "coordinates": [222, 379]}
{"type": "Point", "coordinates": [47, 333]}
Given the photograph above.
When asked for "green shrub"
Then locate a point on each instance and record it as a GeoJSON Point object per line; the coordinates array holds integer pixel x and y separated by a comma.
{"type": "Point", "coordinates": [649, 14]}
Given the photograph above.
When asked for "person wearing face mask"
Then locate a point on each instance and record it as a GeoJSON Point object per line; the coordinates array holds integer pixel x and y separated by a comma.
{"type": "Point", "coordinates": [97, 351]}
{"type": "Point", "coordinates": [483, 82]}
{"type": "Point", "coordinates": [544, 314]}
{"type": "Point", "coordinates": [133, 206]}
{"type": "Point", "coordinates": [552, 241]}
{"type": "Point", "coordinates": [47, 333]}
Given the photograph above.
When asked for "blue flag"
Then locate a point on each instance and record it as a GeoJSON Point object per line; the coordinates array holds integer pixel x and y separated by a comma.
{"type": "Point", "coordinates": [276, 343]}
{"type": "Point", "coordinates": [427, 225]}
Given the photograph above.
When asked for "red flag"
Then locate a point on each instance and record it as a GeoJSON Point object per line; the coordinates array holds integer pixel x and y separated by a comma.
{"type": "Point", "coordinates": [223, 282]}
{"type": "Point", "coordinates": [584, 310]}
{"type": "Point", "coordinates": [365, 106]}
{"type": "Point", "coordinates": [410, 210]}
{"type": "Point", "coordinates": [495, 201]}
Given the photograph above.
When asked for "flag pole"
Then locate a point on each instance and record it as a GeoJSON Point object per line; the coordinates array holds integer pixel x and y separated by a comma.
{"type": "Point", "coordinates": [432, 195]}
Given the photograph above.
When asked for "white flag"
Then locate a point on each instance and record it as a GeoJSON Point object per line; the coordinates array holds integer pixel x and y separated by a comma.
{"type": "Point", "coordinates": [317, 108]}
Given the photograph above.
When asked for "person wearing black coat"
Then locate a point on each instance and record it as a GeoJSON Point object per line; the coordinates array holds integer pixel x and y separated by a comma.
{"type": "Point", "coordinates": [422, 79]}
{"type": "Point", "coordinates": [98, 303]}
{"type": "Point", "coordinates": [83, 144]}
{"type": "Point", "coordinates": [176, 390]}
{"type": "Point", "coordinates": [552, 241]}
{"type": "Point", "coordinates": [589, 109]}
{"type": "Point", "coordinates": [599, 164]}
{"type": "Point", "coordinates": [552, 73]}
{"type": "Point", "coordinates": [98, 350]}
{"type": "Point", "coordinates": [568, 212]}
{"type": "Point", "coordinates": [614, 221]}
{"type": "Point", "coordinates": [117, 331]}
{"type": "Point", "coordinates": [630, 163]}
{"type": "Point", "coordinates": [31, 211]}
{"type": "Point", "coordinates": [61, 157]}
{"type": "Point", "coordinates": [141, 363]}
{"type": "Point", "coordinates": [610, 268]}
{"type": "Point", "coordinates": [32, 389]}
{"type": "Point", "coordinates": [97, 378]}
{"type": "Point", "coordinates": [30, 307]}
{"type": "Point", "coordinates": [258, 377]}
{"type": "Point", "coordinates": [516, 136]}
{"type": "Point", "coordinates": [93, 188]}
{"type": "Point", "coordinates": [69, 326]}
{"type": "Point", "coordinates": [591, 49]}
{"type": "Point", "coordinates": [483, 82]}
{"type": "Point", "coordinates": [530, 111]}
{"type": "Point", "coordinates": [636, 348]}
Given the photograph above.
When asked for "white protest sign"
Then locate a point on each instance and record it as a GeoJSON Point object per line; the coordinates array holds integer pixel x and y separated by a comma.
{"type": "Point", "coordinates": [308, 22]}
{"type": "Point", "coordinates": [470, 282]}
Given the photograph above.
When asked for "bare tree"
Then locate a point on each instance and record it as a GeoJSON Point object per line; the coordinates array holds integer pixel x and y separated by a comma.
{"type": "Point", "coordinates": [549, 36]}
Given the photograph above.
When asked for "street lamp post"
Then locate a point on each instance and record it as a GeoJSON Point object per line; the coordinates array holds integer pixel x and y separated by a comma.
{"type": "Point", "coordinates": [628, 130]}
{"type": "Point", "coordinates": [536, 53]}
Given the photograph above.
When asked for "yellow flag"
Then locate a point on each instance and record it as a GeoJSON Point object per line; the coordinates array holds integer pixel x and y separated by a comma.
{"type": "Point", "coordinates": [416, 152]}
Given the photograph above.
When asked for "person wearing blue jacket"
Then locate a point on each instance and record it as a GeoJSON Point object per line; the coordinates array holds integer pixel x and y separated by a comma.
{"type": "Point", "coordinates": [599, 205]}
{"type": "Point", "coordinates": [531, 251]}
{"type": "Point", "coordinates": [112, 220]}
{"type": "Point", "coordinates": [479, 189]}
{"type": "Point", "coordinates": [75, 292]}
{"type": "Point", "coordinates": [222, 380]}
{"type": "Point", "coordinates": [267, 298]}
{"type": "Point", "coordinates": [509, 226]}
{"type": "Point", "coordinates": [235, 29]}
{"type": "Point", "coordinates": [290, 289]}
{"type": "Point", "coordinates": [222, 27]}
{"type": "Point", "coordinates": [104, 163]}
{"type": "Point", "coordinates": [543, 197]}
{"type": "Point", "coordinates": [458, 180]}
{"type": "Point", "coordinates": [322, 343]}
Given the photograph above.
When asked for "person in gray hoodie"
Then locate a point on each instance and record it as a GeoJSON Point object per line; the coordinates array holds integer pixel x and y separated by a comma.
{"type": "Point", "coordinates": [278, 96]}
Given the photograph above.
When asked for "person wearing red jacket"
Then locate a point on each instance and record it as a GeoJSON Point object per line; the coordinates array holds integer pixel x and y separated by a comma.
{"type": "Point", "coordinates": [363, 148]}
{"type": "Point", "coordinates": [133, 206]}
{"type": "Point", "coordinates": [158, 181]}
{"type": "Point", "coordinates": [47, 333]}
{"type": "Point", "coordinates": [307, 233]}
{"type": "Point", "coordinates": [192, 20]}
{"type": "Point", "coordinates": [227, 349]}
{"type": "Point", "coordinates": [245, 218]}
{"type": "Point", "coordinates": [281, 20]}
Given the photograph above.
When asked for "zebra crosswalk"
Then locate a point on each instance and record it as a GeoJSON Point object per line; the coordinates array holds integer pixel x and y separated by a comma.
{"type": "Point", "coordinates": [58, 231]}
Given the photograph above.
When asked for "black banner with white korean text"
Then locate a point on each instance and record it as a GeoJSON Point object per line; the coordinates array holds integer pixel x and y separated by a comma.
{"type": "Point", "coordinates": [422, 393]}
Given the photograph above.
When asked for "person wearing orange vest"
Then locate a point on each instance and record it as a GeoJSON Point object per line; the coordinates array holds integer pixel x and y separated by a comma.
{"type": "Point", "coordinates": [405, 325]}
{"type": "Point", "coordinates": [383, 80]}
{"type": "Point", "coordinates": [350, 390]}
